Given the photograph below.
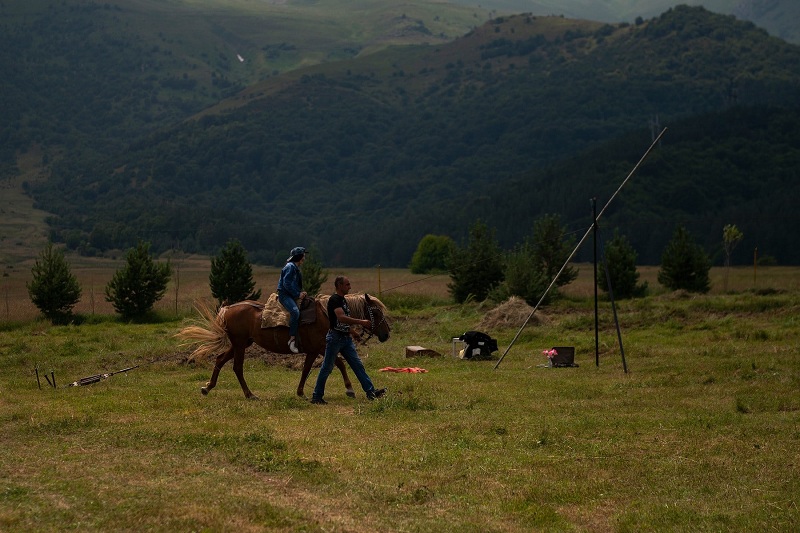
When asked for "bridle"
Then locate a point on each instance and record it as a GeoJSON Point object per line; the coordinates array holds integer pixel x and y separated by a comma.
{"type": "Point", "coordinates": [372, 325]}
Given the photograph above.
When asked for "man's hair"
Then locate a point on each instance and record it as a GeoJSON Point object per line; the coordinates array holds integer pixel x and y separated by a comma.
{"type": "Point", "coordinates": [338, 281]}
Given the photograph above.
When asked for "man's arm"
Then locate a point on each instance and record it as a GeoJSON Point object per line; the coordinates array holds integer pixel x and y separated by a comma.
{"type": "Point", "coordinates": [344, 319]}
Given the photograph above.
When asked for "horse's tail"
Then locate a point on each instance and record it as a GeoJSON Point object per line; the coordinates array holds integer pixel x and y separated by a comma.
{"type": "Point", "coordinates": [209, 334]}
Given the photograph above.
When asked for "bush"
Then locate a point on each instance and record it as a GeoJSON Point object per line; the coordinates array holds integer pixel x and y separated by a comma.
{"type": "Point", "coordinates": [141, 283]}
{"type": "Point", "coordinates": [313, 274]}
{"type": "Point", "coordinates": [476, 269]}
{"type": "Point", "coordinates": [619, 259]}
{"type": "Point", "coordinates": [684, 265]}
{"type": "Point", "coordinates": [231, 278]}
{"type": "Point", "coordinates": [524, 277]}
{"type": "Point", "coordinates": [54, 290]}
{"type": "Point", "coordinates": [531, 267]}
{"type": "Point", "coordinates": [551, 248]}
{"type": "Point", "coordinates": [432, 254]}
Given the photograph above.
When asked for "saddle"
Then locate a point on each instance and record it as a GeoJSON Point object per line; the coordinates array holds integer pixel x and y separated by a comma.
{"type": "Point", "coordinates": [275, 315]}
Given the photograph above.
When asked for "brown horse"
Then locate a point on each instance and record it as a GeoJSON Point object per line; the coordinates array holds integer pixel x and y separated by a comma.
{"type": "Point", "coordinates": [235, 327]}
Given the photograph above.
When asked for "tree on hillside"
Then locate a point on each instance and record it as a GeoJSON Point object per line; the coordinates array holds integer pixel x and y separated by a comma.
{"type": "Point", "coordinates": [619, 259]}
{"type": "Point", "coordinates": [139, 284]}
{"type": "Point", "coordinates": [54, 290]}
{"type": "Point", "coordinates": [431, 254]}
{"type": "Point", "coordinates": [231, 277]}
{"type": "Point", "coordinates": [684, 265]}
{"type": "Point", "coordinates": [476, 269]}
{"type": "Point", "coordinates": [313, 274]}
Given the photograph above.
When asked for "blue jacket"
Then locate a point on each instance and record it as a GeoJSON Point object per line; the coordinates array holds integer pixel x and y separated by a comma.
{"type": "Point", "coordinates": [291, 281]}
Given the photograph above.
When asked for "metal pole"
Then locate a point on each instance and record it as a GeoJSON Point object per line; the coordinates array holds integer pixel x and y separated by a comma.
{"type": "Point", "coordinates": [596, 319]}
{"type": "Point", "coordinates": [616, 319]}
{"type": "Point", "coordinates": [585, 235]}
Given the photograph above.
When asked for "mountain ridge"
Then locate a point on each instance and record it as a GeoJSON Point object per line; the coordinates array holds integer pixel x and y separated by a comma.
{"type": "Point", "coordinates": [779, 17]}
{"type": "Point", "coordinates": [363, 157]}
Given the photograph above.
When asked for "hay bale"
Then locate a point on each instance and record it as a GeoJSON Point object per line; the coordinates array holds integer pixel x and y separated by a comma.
{"type": "Point", "coordinates": [511, 313]}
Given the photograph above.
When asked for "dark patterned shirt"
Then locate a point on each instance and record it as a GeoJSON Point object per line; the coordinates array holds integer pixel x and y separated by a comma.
{"type": "Point", "coordinates": [334, 302]}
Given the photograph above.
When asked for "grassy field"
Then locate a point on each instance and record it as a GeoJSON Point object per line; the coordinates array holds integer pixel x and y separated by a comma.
{"type": "Point", "coordinates": [702, 433]}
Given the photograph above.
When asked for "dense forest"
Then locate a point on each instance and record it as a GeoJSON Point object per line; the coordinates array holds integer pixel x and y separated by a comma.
{"type": "Point", "coordinates": [362, 157]}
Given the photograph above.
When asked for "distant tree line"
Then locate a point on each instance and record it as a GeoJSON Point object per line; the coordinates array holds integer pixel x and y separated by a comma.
{"type": "Point", "coordinates": [478, 271]}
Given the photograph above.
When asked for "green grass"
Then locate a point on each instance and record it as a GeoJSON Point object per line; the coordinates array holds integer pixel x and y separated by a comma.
{"type": "Point", "coordinates": [701, 435]}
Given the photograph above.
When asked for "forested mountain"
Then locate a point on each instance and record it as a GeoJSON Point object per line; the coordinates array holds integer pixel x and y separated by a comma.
{"type": "Point", "coordinates": [779, 17]}
{"type": "Point", "coordinates": [90, 76]}
{"type": "Point", "coordinates": [739, 166]}
{"type": "Point", "coordinates": [364, 156]}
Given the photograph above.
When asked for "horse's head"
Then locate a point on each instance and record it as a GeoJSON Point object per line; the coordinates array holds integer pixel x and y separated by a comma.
{"type": "Point", "coordinates": [376, 312]}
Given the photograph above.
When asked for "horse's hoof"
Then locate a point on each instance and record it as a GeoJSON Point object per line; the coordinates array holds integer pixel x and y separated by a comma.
{"type": "Point", "coordinates": [351, 393]}
{"type": "Point", "coordinates": [301, 394]}
{"type": "Point", "coordinates": [204, 390]}
{"type": "Point", "coordinates": [253, 397]}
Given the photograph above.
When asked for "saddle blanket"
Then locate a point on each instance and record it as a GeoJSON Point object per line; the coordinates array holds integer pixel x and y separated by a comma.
{"type": "Point", "coordinates": [275, 315]}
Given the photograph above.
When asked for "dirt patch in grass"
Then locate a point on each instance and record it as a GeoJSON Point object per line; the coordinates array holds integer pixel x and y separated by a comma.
{"type": "Point", "coordinates": [290, 361]}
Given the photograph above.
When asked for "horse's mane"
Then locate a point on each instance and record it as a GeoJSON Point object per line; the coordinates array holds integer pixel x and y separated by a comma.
{"type": "Point", "coordinates": [356, 302]}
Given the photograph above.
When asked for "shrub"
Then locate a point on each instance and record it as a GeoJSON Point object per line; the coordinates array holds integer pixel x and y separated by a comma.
{"type": "Point", "coordinates": [141, 283]}
{"type": "Point", "coordinates": [231, 278]}
{"type": "Point", "coordinates": [531, 267]}
{"type": "Point", "coordinates": [551, 248]}
{"type": "Point", "coordinates": [313, 274]}
{"type": "Point", "coordinates": [476, 269]}
{"type": "Point", "coordinates": [431, 254]}
{"type": "Point", "coordinates": [619, 259]}
{"type": "Point", "coordinates": [684, 265]}
{"type": "Point", "coordinates": [54, 290]}
{"type": "Point", "coordinates": [524, 276]}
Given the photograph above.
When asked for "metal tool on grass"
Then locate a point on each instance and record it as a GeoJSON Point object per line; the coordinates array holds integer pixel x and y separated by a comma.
{"type": "Point", "coordinates": [98, 377]}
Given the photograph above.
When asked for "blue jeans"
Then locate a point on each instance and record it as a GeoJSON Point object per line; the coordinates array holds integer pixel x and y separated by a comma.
{"type": "Point", "coordinates": [337, 343]}
{"type": "Point", "coordinates": [294, 312]}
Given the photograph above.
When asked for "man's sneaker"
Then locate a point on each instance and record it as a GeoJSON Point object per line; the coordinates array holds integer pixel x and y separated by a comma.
{"type": "Point", "coordinates": [376, 393]}
{"type": "Point", "coordinates": [293, 346]}
{"type": "Point", "coordinates": [319, 401]}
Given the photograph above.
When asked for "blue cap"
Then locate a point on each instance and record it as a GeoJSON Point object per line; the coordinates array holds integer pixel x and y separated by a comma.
{"type": "Point", "coordinates": [296, 252]}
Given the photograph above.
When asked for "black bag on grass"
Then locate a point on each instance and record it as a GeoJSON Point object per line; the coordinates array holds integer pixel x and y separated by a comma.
{"type": "Point", "coordinates": [478, 345]}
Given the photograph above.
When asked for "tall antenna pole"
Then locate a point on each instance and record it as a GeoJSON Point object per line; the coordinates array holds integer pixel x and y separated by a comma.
{"type": "Point", "coordinates": [596, 318]}
{"type": "Point", "coordinates": [585, 235]}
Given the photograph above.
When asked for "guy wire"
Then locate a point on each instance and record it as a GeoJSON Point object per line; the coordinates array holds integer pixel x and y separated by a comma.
{"type": "Point", "coordinates": [574, 251]}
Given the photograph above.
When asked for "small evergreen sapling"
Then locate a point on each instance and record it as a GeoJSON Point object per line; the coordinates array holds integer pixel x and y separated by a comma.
{"type": "Point", "coordinates": [54, 290]}
{"type": "Point", "coordinates": [619, 258]}
{"type": "Point", "coordinates": [684, 265]}
{"type": "Point", "coordinates": [137, 286]}
{"type": "Point", "coordinates": [313, 274]}
{"type": "Point", "coordinates": [231, 277]}
{"type": "Point", "coordinates": [478, 268]}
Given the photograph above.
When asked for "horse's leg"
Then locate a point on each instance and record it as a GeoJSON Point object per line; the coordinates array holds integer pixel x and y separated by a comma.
{"type": "Point", "coordinates": [238, 369]}
{"type": "Point", "coordinates": [307, 364]}
{"type": "Point", "coordinates": [221, 360]}
{"type": "Point", "coordinates": [343, 369]}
